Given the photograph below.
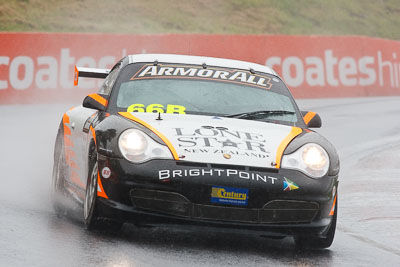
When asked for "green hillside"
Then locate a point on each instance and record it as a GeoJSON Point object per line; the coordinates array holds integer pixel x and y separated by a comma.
{"type": "Point", "coordinates": [380, 18]}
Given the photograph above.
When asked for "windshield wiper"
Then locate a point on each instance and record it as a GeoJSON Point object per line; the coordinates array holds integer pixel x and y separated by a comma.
{"type": "Point", "coordinates": [260, 113]}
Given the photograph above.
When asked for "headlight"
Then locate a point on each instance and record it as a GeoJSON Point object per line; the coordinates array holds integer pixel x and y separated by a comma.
{"type": "Point", "coordinates": [136, 146]}
{"type": "Point", "coordinates": [310, 159]}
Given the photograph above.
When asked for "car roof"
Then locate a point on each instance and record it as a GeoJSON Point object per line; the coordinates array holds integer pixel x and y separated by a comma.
{"type": "Point", "coordinates": [198, 60]}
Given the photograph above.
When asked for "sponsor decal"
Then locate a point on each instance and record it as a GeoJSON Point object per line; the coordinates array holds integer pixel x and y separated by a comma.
{"type": "Point", "coordinates": [168, 174]}
{"type": "Point", "coordinates": [157, 108]}
{"type": "Point", "coordinates": [229, 195]}
{"type": "Point", "coordinates": [223, 151]}
{"type": "Point", "coordinates": [106, 172]}
{"type": "Point", "coordinates": [221, 140]}
{"type": "Point", "coordinates": [289, 185]}
{"type": "Point", "coordinates": [198, 72]}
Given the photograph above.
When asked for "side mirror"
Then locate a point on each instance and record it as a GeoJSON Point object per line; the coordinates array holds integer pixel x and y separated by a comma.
{"type": "Point", "coordinates": [95, 101]}
{"type": "Point", "coordinates": [312, 119]}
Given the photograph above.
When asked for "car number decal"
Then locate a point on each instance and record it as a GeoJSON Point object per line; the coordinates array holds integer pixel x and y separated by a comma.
{"type": "Point", "coordinates": [157, 108]}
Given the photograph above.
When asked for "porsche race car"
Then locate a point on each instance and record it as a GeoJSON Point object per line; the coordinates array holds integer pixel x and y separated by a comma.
{"type": "Point", "coordinates": [199, 142]}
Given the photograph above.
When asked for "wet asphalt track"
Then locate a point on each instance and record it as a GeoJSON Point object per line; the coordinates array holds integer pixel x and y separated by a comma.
{"type": "Point", "coordinates": [366, 132]}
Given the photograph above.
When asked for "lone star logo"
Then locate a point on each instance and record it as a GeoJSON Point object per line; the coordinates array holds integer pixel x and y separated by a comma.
{"type": "Point", "coordinates": [289, 185]}
{"type": "Point", "coordinates": [228, 142]}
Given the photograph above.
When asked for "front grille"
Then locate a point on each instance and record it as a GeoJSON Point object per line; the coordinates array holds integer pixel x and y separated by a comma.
{"type": "Point", "coordinates": [225, 213]}
{"type": "Point", "coordinates": [276, 211]}
{"type": "Point", "coordinates": [290, 205]}
{"type": "Point", "coordinates": [158, 195]}
{"type": "Point", "coordinates": [285, 211]}
{"type": "Point", "coordinates": [162, 201]}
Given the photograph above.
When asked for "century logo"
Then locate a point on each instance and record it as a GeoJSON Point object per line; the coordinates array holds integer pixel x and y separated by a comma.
{"type": "Point", "coordinates": [222, 193]}
{"type": "Point", "coordinates": [229, 195]}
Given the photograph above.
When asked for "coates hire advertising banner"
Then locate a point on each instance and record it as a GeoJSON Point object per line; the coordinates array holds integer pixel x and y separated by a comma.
{"type": "Point", "coordinates": [39, 67]}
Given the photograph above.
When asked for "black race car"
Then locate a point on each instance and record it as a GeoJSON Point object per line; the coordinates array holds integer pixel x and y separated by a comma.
{"type": "Point", "coordinates": [197, 142]}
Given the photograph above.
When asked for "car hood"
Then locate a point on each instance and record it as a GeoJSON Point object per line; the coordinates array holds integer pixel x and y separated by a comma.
{"type": "Point", "coordinates": [220, 140]}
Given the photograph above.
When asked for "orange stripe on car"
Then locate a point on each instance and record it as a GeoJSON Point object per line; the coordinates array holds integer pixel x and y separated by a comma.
{"type": "Point", "coordinates": [75, 178]}
{"type": "Point", "coordinates": [73, 165]}
{"type": "Point", "coordinates": [68, 142]}
{"type": "Point", "coordinates": [333, 207]}
{"type": "Point", "coordinates": [293, 133]}
{"type": "Point", "coordinates": [99, 99]}
{"type": "Point", "coordinates": [93, 133]}
{"type": "Point", "coordinates": [148, 126]}
{"type": "Point", "coordinates": [309, 116]}
{"type": "Point", "coordinates": [67, 130]}
{"type": "Point", "coordinates": [101, 192]}
{"type": "Point", "coordinates": [100, 189]}
{"type": "Point", "coordinates": [65, 118]}
{"type": "Point", "coordinates": [69, 153]}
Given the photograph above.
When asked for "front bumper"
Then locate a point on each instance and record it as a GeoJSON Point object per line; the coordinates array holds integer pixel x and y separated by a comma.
{"type": "Point", "coordinates": [166, 192]}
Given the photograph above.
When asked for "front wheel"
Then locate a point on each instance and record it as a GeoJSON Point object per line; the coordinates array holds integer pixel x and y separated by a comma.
{"type": "Point", "coordinates": [316, 242]}
{"type": "Point", "coordinates": [89, 206]}
{"type": "Point", "coordinates": [91, 212]}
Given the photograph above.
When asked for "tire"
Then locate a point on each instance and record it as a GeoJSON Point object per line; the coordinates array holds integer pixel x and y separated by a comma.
{"type": "Point", "coordinates": [317, 242]}
{"type": "Point", "coordinates": [58, 178]}
{"type": "Point", "coordinates": [91, 211]}
{"type": "Point", "coordinates": [89, 205]}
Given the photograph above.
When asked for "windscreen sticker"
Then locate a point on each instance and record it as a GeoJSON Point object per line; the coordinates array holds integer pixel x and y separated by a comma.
{"type": "Point", "coordinates": [198, 72]}
{"type": "Point", "coordinates": [157, 108]}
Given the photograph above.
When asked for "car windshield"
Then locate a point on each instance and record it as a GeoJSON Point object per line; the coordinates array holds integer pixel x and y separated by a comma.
{"type": "Point", "coordinates": [247, 96]}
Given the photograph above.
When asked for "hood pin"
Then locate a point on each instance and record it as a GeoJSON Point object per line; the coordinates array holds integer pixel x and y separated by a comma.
{"type": "Point", "coordinates": [227, 156]}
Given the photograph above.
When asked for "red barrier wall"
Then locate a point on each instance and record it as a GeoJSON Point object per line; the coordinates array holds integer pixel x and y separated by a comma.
{"type": "Point", "coordinates": [38, 67]}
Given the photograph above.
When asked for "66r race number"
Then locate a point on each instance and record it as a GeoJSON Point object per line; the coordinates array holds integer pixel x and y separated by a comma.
{"type": "Point", "coordinates": [156, 108]}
